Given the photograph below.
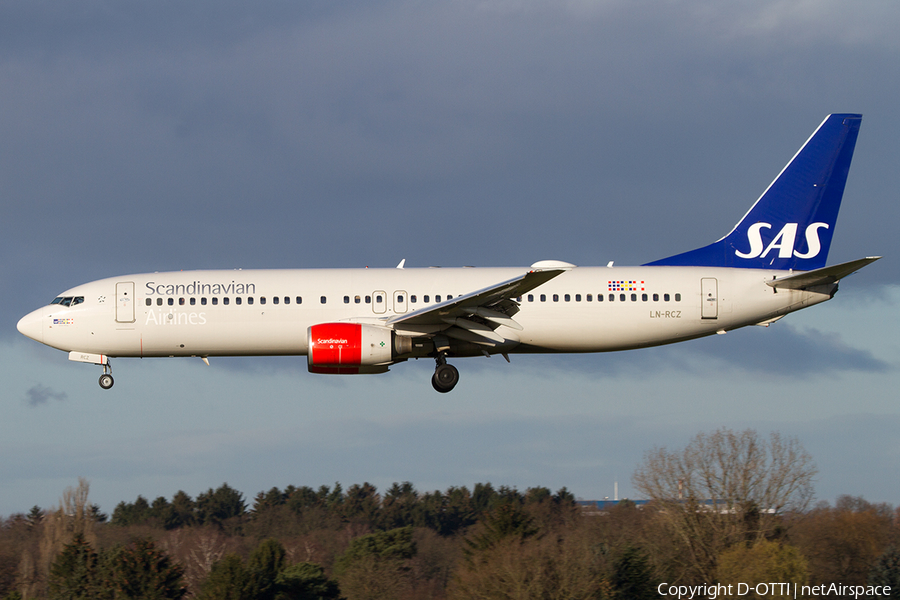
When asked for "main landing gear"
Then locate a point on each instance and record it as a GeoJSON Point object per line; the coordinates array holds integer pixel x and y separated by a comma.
{"type": "Point", "coordinates": [445, 375]}
{"type": "Point", "coordinates": [106, 380]}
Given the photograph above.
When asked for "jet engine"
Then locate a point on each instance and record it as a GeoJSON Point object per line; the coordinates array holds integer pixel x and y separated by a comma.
{"type": "Point", "coordinates": [354, 348]}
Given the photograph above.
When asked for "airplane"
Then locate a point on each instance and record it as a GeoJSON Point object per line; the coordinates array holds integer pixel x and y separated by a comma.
{"type": "Point", "coordinates": [362, 321]}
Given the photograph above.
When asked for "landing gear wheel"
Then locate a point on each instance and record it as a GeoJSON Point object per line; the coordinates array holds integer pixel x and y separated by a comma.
{"type": "Point", "coordinates": [445, 378]}
{"type": "Point", "coordinates": [106, 381]}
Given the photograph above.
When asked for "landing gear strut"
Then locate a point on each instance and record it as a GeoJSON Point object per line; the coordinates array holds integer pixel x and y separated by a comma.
{"type": "Point", "coordinates": [106, 380]}
{"type": "Point", "coordinates": [445, 375]}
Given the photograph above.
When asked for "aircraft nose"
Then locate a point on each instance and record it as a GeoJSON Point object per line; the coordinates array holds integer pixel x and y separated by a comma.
{"type": "Point", "coordinates": [32, 325]}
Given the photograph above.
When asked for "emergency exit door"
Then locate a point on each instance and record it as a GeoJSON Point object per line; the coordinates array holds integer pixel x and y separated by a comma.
{"type": "Point", "coordinates": [709, 290]}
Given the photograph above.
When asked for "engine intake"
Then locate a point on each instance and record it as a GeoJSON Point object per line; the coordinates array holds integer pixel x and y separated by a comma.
{"type": "Point", "coordinates": [351, 348]}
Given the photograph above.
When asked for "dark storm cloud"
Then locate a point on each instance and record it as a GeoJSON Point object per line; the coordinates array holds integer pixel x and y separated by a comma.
{"type": "Point", "coordinates": [38, 395]}
{"type": "Point", "coordinates": [168, 136]}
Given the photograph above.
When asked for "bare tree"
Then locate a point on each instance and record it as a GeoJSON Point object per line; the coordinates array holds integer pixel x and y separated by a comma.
{"type": "Point", "coordinates": [723, 488]}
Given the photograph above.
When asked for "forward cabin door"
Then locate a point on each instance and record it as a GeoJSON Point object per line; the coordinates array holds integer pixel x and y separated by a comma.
{"type": "Point", "coordinates": [400, 301]}
{"type": "Point", "coordinates": [379, 302]}
{"type": "Point", "coordinates": [125, 302]}
{"type": "Point", "coordinates": [710, 298]}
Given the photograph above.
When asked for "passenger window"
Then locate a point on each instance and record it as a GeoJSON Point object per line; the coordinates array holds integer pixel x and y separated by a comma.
{"type": "Point", "coordinates": [262, 299]}
{"type": "Point", "coordinates": [519, 299]}
{"type": "Point", "coordinates": [250, 300]}
{"type": "Point", "coordinates": [567, 298]}
{"type": "Point", "coordinates": [634, 297]}
{"type": "Point", "coordinates": [543, 297]}
{"type": "Point", "coordinates": [181, 302]}
{"type": "Point", "coordinates": [203, 301]}
{"type": "Point", "coordinates": [346, 299]}
{"type": "Point", "coordinates": [400, 298]}
{"type": "Point", "coordinates": [237, 300]}
{"type": "Point", "coordinates": [677, 297]}
{"type": "Point", "coordinates": [531, 297]}
{"type": "Point", "coordinates": [577, 297]}
{"type": "Point", "coordinates": [226, 300]}
{"type": "Point", "coordinates": [426, 298]}
{"type": "Point", "coordinates": [589, 298]}
{"type": "Point", "coordinates": [621, 297]}
{"type": "Point", "coordinates": [287, 299]}
{"type": "Point", "coordinates": [643, 297]}
{"type": "Point", "coordinates": [556, 297]}
{"type": "Point", "coordinates": [656, 297]}
{"type": "Point", "coordinates": [449, 297]}
{"type": "Point", "coordinates": [599, 297]}
{"type": "Point", "coordinates": [356, 299]}
{"type": "Point", "coordinates": [369, 299]}
{"type": "Point", "coordinates": [437, 298]}
{"type": "Point", "coordinates": [149, 302]}
{"type": "Point", "coordinates": [215, 301]}
{"type": "Point", "coordinates": [378, 299]}
{"type": "Point", "coordinates": [275, 299]}
{"type": "Point", "coordinates": [322, 299]}
{"type": "Point", "coordinates": [665, 297]}
{"type": "Point", "coordinates": [299, 299]}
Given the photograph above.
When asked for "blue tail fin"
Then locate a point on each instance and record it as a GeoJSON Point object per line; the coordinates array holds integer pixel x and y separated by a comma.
{"type": "Point", "coordinates": [792, 223]}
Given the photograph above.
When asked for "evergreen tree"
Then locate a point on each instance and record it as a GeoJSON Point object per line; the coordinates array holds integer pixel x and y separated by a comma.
{"type": "Point", "coordinates": [633, 577]}
{"type": "Point", "coordinates": [183, 509]}
{"type": "Point", "coordinates": [886, 571]}
{"type": "Point", "coordinates": [73, 575]}
{"type": "Point", "coordinates": [215, 507]}
{"type": "Point", "coordinates": [227, 580]}
{"type": "Point", "coordinates": [263, 566]}
{"type": "Point", "coordinates": [305, 581]}
{"type": "Point", "coordinates": [139, 570]}
{"type": "Point", "coordinates": [384, 546]}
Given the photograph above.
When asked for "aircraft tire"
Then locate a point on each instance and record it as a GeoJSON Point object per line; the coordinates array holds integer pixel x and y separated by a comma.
{"type": "Point", "coordinates": [106, 381]}
{"type": "Point", "coordinates": [445, 378]}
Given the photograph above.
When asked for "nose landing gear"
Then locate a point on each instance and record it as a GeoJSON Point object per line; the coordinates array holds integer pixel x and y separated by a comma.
{"type": "Point", "coordinates": [445, 377]}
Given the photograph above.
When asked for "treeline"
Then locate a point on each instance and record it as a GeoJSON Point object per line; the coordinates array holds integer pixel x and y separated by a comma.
{"type": "Point", "coordinates": [481, 543]}
{"type": "Point", "coordinates": [300, 510]}
{"type": "Point", "coordinates": [730, 507]}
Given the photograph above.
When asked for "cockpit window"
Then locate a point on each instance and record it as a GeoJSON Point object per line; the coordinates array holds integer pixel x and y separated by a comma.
{"type": "Point", "coordinates": [68, 300]}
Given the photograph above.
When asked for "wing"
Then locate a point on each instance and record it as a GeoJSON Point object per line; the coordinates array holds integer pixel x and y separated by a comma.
{"type": "Point", "coordinates": [824, 276]}
{"type": "Point", "coordinates": [473, 317]}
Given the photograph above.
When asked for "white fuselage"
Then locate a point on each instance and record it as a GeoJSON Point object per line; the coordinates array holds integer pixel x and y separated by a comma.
{"type": "Point", "coordinates": [268, 312]}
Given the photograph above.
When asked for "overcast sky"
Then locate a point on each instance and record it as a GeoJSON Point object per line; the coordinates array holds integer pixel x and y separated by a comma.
{"type": "Point", "coordinates": [151, 136]}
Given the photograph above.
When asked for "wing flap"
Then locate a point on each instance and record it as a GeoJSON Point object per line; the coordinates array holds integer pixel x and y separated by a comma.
{"type": "Point", "coordinates": [823, 276]}
{"type": "Point", "coordinates": [484, 302]}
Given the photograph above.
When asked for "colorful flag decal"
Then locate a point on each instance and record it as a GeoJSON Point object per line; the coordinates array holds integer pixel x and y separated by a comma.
{"type": "Point", "coordinates": [626, 286]}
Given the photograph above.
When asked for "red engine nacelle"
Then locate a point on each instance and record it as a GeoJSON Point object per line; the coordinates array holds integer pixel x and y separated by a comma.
{"type": "Point", "coordinates": [349, 348]}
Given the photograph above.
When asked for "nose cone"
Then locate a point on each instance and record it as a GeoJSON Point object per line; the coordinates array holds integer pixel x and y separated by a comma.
{"type": "Point", "coordinates": [32, 325]}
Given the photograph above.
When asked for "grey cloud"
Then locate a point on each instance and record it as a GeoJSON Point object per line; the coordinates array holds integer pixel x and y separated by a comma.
{"type": "Point", "coordinates": [38, 395]}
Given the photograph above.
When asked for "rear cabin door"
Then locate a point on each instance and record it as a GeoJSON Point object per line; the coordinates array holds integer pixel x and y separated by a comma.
{"type": "Point", "coordinates": [710, 298]}
{"type": "Point", "coordinates": [125, 302]}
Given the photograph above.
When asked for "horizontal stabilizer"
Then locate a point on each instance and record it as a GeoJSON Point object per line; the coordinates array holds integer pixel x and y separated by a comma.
{"type": "Point", "coordinates": [822, 276]}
